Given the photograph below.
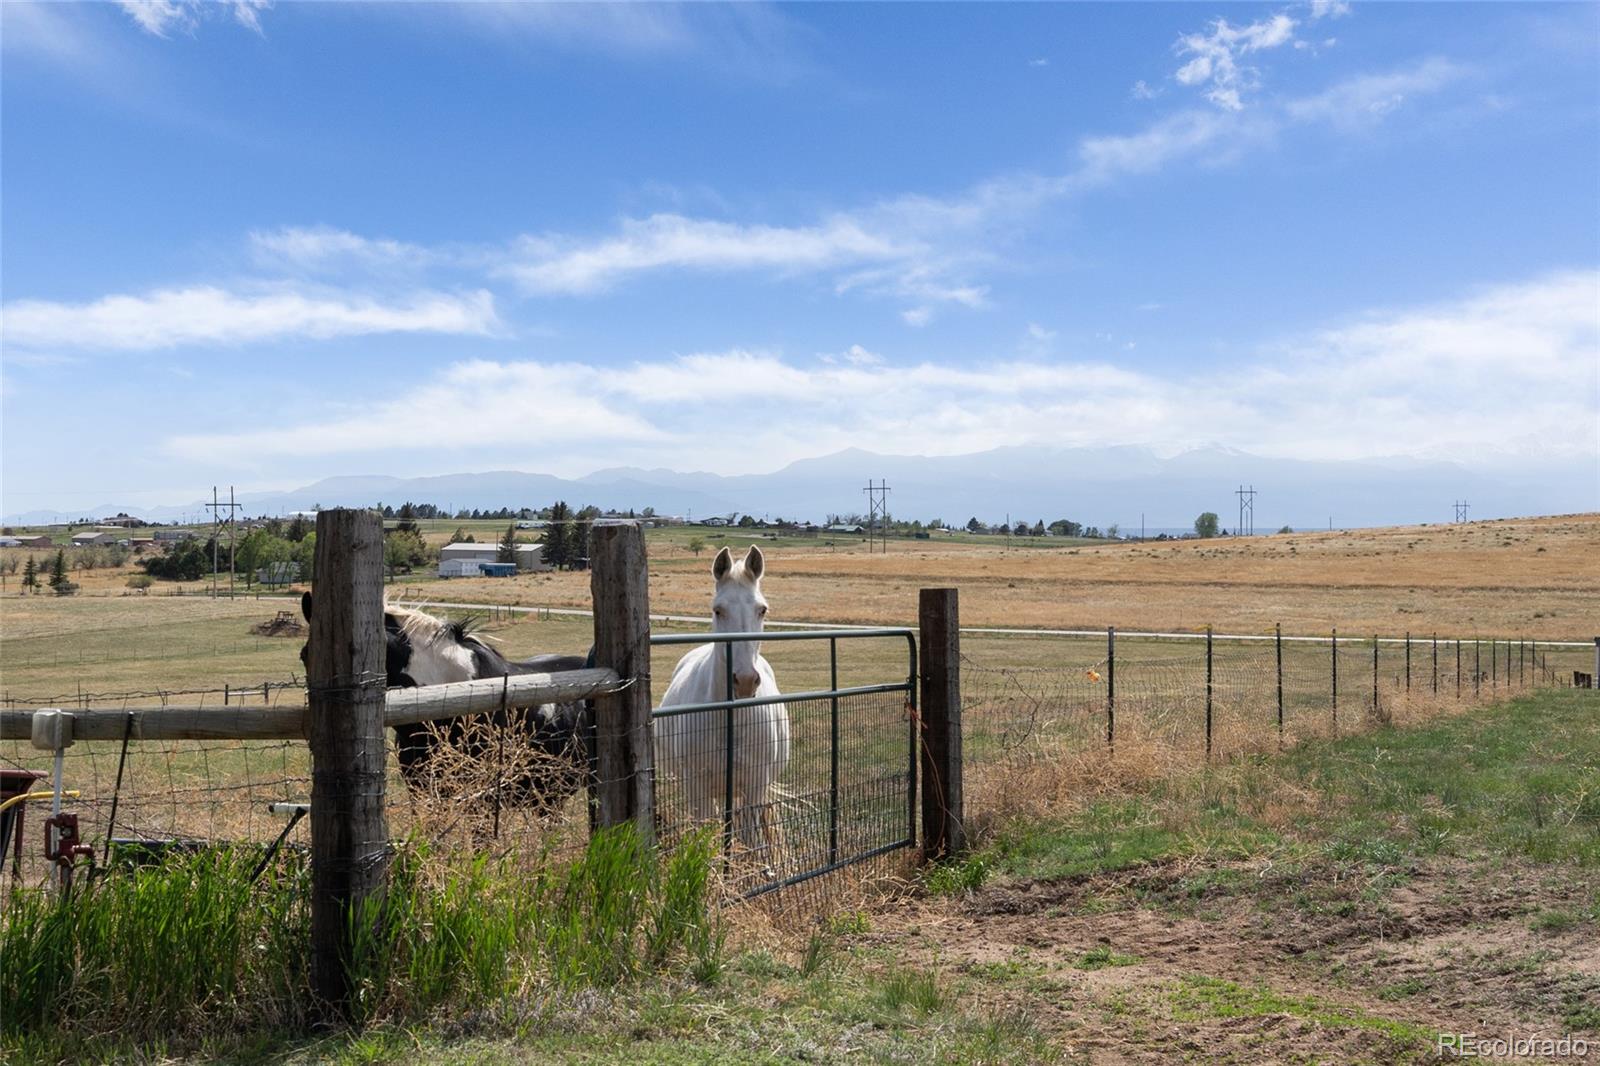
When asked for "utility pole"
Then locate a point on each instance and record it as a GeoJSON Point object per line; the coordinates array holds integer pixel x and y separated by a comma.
{"type": "Point", "coordinates": [877, 513]}
{"type": "Point", "coordinates": [216, 507]}
{"type": "Point", "coordinates": [1246, 526]}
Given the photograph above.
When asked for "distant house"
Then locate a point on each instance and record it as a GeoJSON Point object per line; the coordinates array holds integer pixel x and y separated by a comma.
{"type": "Point", "coordinates": [532, 523]}
{"type": "Point", "coordinates": [464, 560]}
{"type": "Point", "coordinates": [93, 538]}
{"type": "Point", "coordinates": [846, 529]}
{"type": "Point", "coordinates": [167, 536]}
{"type": "Point", "coordinates": [34, 540]}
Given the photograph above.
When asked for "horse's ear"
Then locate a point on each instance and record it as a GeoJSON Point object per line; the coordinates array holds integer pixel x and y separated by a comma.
{"type": "Point", "coordinates": [722, 563]}
{"type": "Point", "coordinates": [754, 564]}
{"type": "Point", "coordinates": [305, 605]}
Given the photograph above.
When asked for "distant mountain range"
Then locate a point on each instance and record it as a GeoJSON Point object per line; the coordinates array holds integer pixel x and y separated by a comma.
{"type": "Point", "coordinates": [1096, 486]}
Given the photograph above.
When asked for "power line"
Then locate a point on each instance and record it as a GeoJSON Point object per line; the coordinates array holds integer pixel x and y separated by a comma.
{"type": "Point", "coordinates": [216, 507]}
{"type": "Point", "coordinates": [1246, 526]}
{"type": "Point", "coordinates": [877, 513]}
{"type": "Point", "coordinates": [1461, 511]}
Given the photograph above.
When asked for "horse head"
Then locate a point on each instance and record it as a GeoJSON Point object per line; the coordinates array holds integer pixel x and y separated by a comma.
{"type": "Point", "coordinates": [420, 649]}
{"type": "Point", "coordinates": [737, 606]}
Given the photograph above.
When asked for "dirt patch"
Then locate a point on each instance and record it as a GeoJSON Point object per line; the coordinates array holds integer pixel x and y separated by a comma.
{"type": "Point", "coordinates": [1245, 963]}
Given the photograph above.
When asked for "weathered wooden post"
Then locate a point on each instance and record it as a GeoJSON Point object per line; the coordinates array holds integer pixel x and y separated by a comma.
{"type": "Point", "coordinates": [625, 757]}
{"type": "Point", "coordinates": [943, 826]}
{"type": "Point", "coordinates": [344, 727]}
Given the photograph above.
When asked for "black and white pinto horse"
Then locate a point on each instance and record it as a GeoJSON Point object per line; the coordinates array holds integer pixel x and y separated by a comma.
{"type": "Point", "coordinates": [421, 650]}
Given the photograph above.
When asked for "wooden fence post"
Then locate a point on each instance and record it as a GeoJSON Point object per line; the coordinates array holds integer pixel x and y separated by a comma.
{"type": "Point", "coordinates": [625, 756]}
{"type": "Point", "coordinates": [943, 826]}
{"type": "Point", "coordinates": [344, 727]}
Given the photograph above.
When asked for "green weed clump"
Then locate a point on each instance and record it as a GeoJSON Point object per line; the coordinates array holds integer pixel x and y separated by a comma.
{"type": "Point", "coordinates": [180, 955]}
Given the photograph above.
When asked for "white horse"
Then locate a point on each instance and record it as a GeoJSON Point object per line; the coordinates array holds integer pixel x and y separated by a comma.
{"type": "Point", "coordinates": [694, 746]}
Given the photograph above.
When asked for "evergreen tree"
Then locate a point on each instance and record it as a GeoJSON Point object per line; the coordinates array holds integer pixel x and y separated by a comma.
{"type": "Point", "coordinates": [30, 575]}
{"type": "Point", "coordinates": [559, 541]}
{"type": "Point", "coordinates": [508, 545]}
{"type": "Point", "coordinates": [58, 569]}
{"type": "Point", "coordinates": [408, 518]}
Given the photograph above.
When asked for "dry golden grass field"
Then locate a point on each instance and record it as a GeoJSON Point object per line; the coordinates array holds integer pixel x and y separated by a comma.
{"type": "Point", "coordinates": [1525, 577]}
{"type": "Point", "coordinates": [1533, 577]}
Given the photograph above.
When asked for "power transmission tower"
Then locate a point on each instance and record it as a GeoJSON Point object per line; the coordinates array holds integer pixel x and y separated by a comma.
{"type": "Point", "coordinates": [1461, 511]}
{"type": "Point", "coordinates": [216, 507]}
{"type": "Point", "coordinates": [1246, 526]}
{"type": "Point", "coordinates": [877, 513]}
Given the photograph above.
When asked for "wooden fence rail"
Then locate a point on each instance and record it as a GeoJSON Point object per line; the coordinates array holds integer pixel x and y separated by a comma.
{"type": "Point", "coordinates": [401, 707]}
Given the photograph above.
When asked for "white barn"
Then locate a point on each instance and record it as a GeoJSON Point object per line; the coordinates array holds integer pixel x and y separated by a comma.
{"type": "Point", "coordinates": [461, 560]}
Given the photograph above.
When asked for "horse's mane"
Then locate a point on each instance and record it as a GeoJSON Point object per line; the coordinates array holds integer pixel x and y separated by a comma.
{"type": "Point", "coordinates": [425, 628]}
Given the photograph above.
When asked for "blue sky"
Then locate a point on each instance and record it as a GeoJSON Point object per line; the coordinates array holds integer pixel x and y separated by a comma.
{"type": "Point", "coordinates": [261, 244]}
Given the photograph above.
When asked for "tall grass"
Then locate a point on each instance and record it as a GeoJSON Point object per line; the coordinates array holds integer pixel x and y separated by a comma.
{"type": "Point", "coordinates": [185, 953]}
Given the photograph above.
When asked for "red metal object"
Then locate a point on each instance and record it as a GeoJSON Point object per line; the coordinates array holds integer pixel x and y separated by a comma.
{"type": "Point", "coordinates": [62, 844]}
{"type": "Point", "coordinates": [15, 783]}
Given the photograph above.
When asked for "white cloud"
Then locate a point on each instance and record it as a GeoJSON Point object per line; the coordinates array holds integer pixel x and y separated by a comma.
{"type": "Point", "coordinates": [1329, 9]}
{"type": "Point", "coordinates": [555, 264]}
{"type": "Point", "coordinates": [162, 17]}
{"type": "Point", "coordinates": [1039, 62]}
{"type": "Point", "coordinates": [320, 247]}
{"type": "Point", "coordinates": [917, 317]}
{"type": "Point", "coordinates": [203, 314]}
{"type": "Point", "coordinates": [1142, 91]}
{"type": "Point", "coordinates": [1103, 160]}
{"type": "Point", "coordinates": [1428, 381]}
{"type": "Point", "coordinates": [1367, 98]}
{"type": "Point", "coordinates": [1216, 54]}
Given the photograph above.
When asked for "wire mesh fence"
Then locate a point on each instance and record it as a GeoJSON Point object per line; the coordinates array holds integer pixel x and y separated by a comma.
{"type": "Point", "coordinates": [842, 792]}
{"type": "Point", "coordinates": [1027, 698]}
{"type": "Point", "coordinates": [844, 789]}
